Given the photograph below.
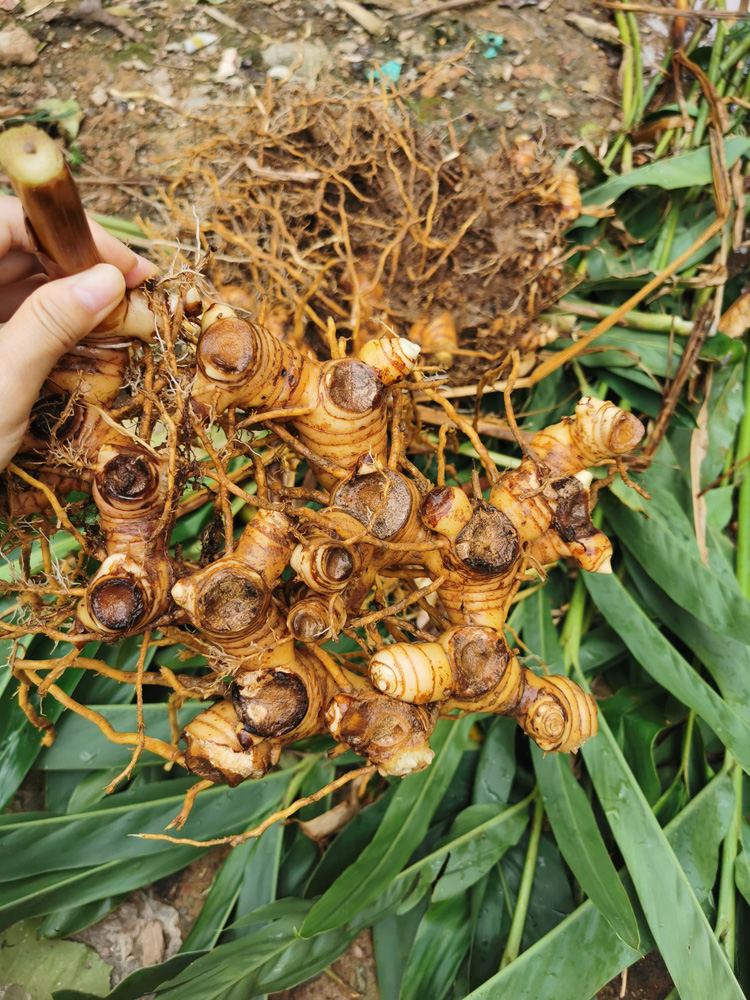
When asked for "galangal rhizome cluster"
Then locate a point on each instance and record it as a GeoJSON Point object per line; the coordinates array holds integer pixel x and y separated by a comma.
{"type": "Point", "coordinates": [176, 401]}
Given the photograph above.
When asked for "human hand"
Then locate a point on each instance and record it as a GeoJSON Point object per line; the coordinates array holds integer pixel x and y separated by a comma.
{"type": "Point", "coordinates": [43, 319]}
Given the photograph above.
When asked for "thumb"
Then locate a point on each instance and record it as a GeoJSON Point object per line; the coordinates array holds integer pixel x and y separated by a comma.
{"type": "Point", "coordinates": [58, 314]}
{"type": "Point", "coordinates": [46, 325]}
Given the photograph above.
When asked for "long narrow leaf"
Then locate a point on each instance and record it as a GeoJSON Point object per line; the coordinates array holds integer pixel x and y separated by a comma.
{"type": "Point", "coordinates": [471, 860]}
{"type": "Point", "coordinates": [442, 940]}
{"type": "Point", "coordinates": [695, 959]}
{"type": "Point", "coordinates": [403, 827]}
{"type": "Point", "coordinates": [673, 561]}
{"type": "Point", "coordinates": [103, 834]}
{"type": "Point", "coordinates": [581, 844]}
{"type": "Point", "coordinates": [599, 954]}
{"type": "Point", "coordinates": [565, 803]}
{"type": "Point", "coordinates": [659, 657]}
{"type": "Point", "coordinates": [670, 173]}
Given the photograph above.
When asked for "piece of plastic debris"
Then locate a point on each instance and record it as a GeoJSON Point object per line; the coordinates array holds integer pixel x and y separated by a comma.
{"type": "Point", "coordinates": [390, 70]}
{"type": "Point", "coordinates": [300, 60]}
{"type": "Point", "coordinates": [228, 65]}
{"type": "Point", "coordinates": [200, 40]}
{"type": "Point", "coordinates": [17, 47]}
{"type": "Point", "coordinates": [493, 42]}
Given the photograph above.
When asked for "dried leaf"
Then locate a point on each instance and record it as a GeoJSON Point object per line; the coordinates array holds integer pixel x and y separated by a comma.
{"type": "Point", "coordinates": [591, 28]}
{"type": "Point", "coordinates": [736, 319]}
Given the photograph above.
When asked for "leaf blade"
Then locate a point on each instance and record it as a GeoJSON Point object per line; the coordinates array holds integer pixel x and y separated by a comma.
{"type": "Point", "coordinates": [581, 843]}
{"type": "Point", "coordinates": [403, 827]}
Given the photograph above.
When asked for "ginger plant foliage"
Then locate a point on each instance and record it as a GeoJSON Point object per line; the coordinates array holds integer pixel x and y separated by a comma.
{"type": "Point", "coordinates": [176, 401]}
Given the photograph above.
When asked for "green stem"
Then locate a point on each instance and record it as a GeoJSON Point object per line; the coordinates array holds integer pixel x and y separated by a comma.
{"type": "Point", "coordinates": [726, 908]}
{"type": "Point", "coordinates": [627, 93]}
{"type": "Point", "coordinates": [572, 630]}
{"type": "Point", "coordinates": [733, 56]}
{"type": "Point", "coordinates": [580, 378]}
{"type": "Point", "coordinates": [686, 747]}
{"type": "Point", "coordinates": [713, 74]}
{"type": "Point", "coordinates": [513, 946]}
{"type": "Point", "coordinates": [637, 68]}
{"type": "Point", "coordinates": [663, 248]}
{"type": "Point", "coordinates": [650, 322]}
{"type": "Point", "coordinates": [743, 501]}
{"type": "Point", "coordinates": [628, 76]}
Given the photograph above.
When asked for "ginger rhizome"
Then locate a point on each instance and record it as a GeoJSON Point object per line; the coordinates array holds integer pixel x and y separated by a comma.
{"type": "Point", "coordinates": [176, 401]}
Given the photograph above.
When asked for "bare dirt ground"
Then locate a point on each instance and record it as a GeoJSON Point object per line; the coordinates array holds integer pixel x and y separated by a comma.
{"type": "Point", "coordinates": [526, 69]}
{"type": "Point", "coordinates": [548, 69]}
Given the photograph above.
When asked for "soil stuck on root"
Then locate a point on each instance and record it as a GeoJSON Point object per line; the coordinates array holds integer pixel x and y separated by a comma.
{"type": "Point", "coordinates": [317, 208]}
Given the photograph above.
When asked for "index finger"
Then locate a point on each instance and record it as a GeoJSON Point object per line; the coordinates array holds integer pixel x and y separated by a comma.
{"type": "Point", "coordinates": [14, 236]}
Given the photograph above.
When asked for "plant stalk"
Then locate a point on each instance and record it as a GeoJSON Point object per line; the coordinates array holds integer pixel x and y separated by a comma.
{"type": "Point", "coordinates": [513, 945]}
{"type": "Point", "coordinates": [726, 909]}
{"type": "Point", "coordinates": [45, 186]}
{"type": "Point", "coordinates": [743, 500]}
{"type": "Point", "coordinates": [649, 322]}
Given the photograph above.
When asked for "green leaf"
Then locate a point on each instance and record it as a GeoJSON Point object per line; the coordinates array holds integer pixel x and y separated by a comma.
{"type": "Point", "coordinates": [137, 984]}
{"type": "Point", "coordinates": [742, 874]}
{"type": "Point", "coordinates": [40, 965]}
{"type": "Point", "coordinates": [695, 959]}
{"type": "Point", "coordinates": [270, 957]}
{"type": "Point", "coordinates": [70, 920]}
{"type": "Point", "coordinates": [637, 721]}
{"type": "Point", "coordinates": [221, 898]}
{"type": "Point", "coordinates": [540, 634]}
{"type": "Point", "coordinates": [726, 659]}
{"type": "Point", "coordinates": [627, 350]}
{"type": "Point", "coordinates": [471, 859]}
{"type": "Point", "coordinates": [442, 940]}
{"type": "Point", "coordinates": [684, 171]}
{"type": "Point", "coordinates": [638, 389]}
{"type": "Point", "coordinates": [496, 767]}
{"type": "Point", "coordinates": [403, 827]}
{"type": "Point", "coordinates": [723, 350]}
{"type": "Point", "coordinates": [32, 897]}
{"type": "Point", "coordinates": [21, 743]}
{"type": "Point", "coordinates": [493, 919]}
{"type": "Point", "coordinates": [261, 872]}
{"type": "Point", "coordinates": [566, 805]}
{"type": "Point", "coordinates": [81, 746]}
{"type": "Point", "coordinates": [599, 954]}
{"type": "Point", "coordinates": [103, 834]}
{"type": "Point", "coordinates": [671, 558]}
{"type": "Point", "coordinates": [392, 940]}
{"type": "Point", "coordinates": [349, 844]}
{"type": "Point", "coordinates": [659, 657]}
{"type": "Point", "coordinates": [581, 843]}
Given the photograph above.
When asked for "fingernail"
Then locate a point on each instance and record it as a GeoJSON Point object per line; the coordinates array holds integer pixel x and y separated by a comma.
{"type": "Point", "coordinates": [134, 262]}
{"type": "Point", "coordinates": [99, 287]}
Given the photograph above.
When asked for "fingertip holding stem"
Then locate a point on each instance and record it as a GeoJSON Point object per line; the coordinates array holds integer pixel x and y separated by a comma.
{"type": "Point", "coordinates": [99, 289]}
